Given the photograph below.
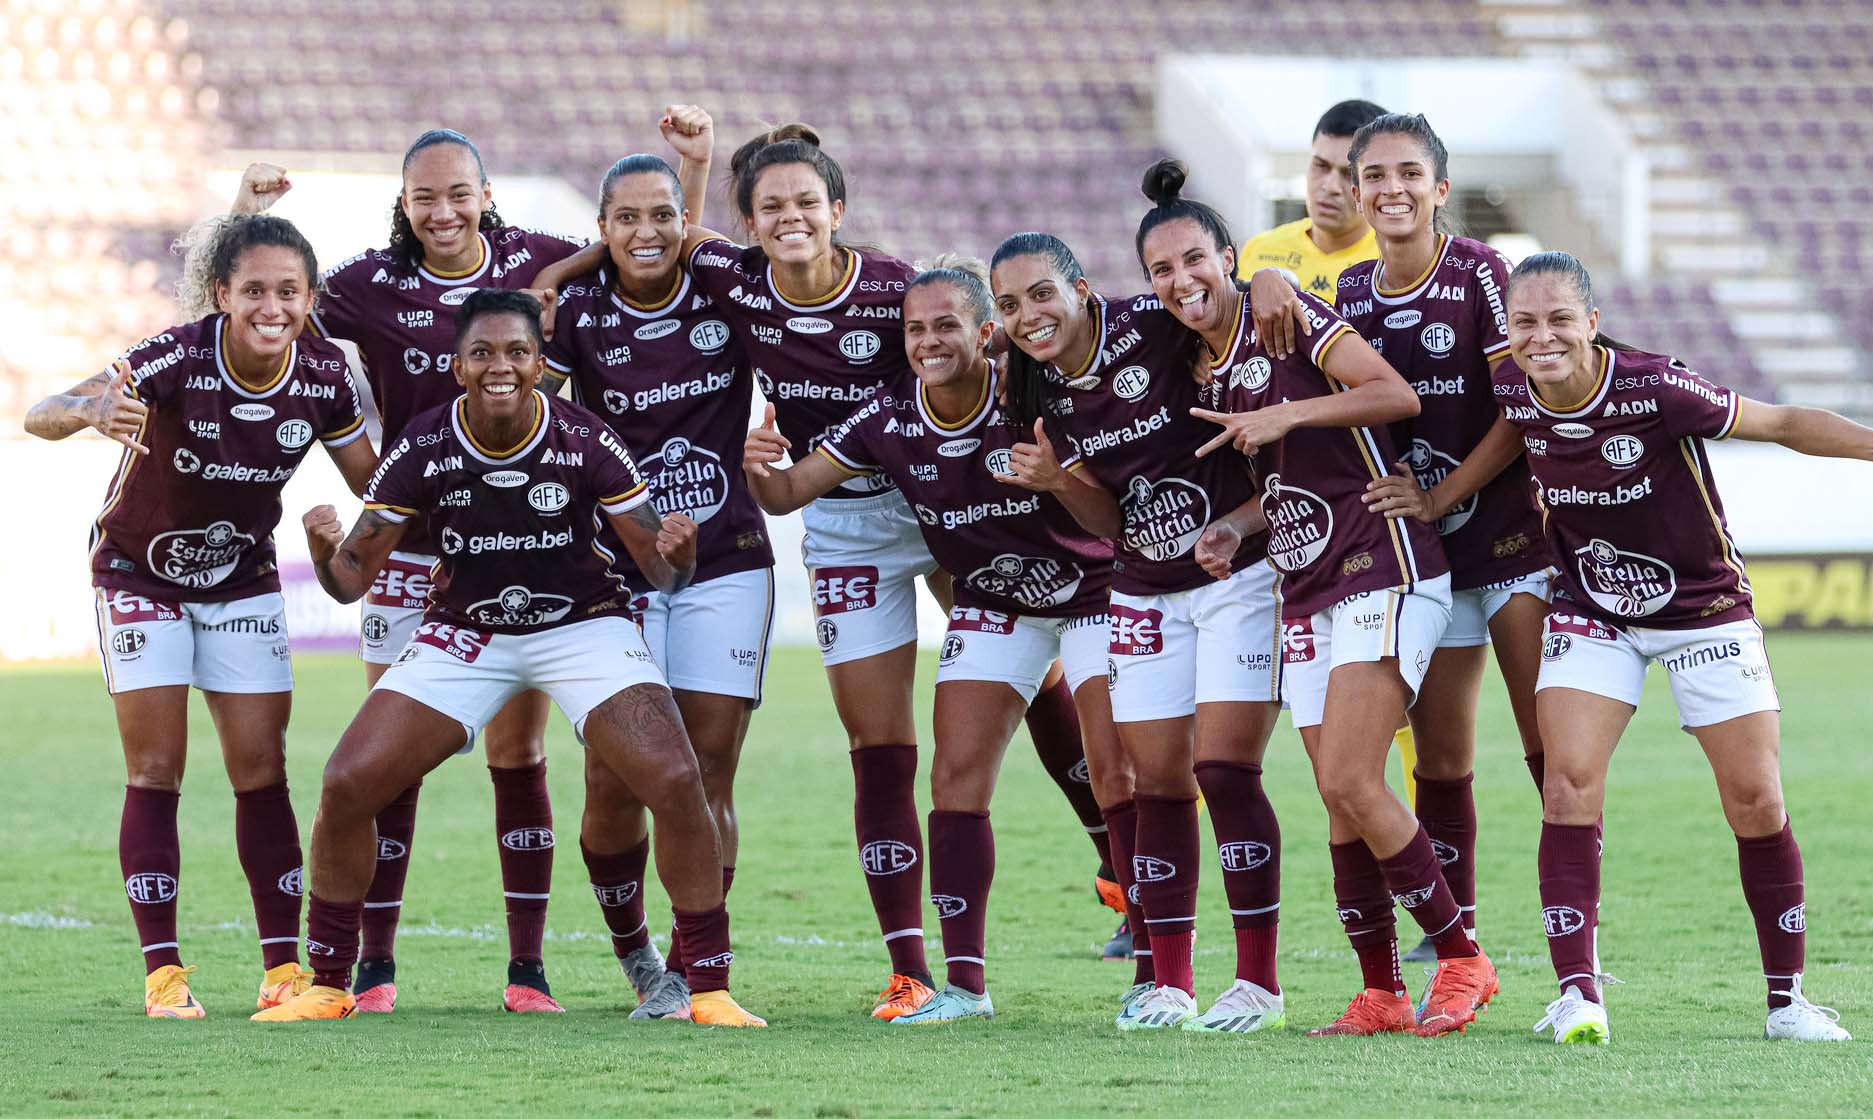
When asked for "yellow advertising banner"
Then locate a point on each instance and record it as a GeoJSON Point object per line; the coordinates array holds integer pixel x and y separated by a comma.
{"type": "Point", "coordinates": [1815, 592]}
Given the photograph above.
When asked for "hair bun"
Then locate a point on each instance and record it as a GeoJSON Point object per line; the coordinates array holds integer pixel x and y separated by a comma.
{"type": "Point", "coordinates": [961, 262]}
{"type": "Point", "coordinates": [1164, 181]}
{"type": "Point", "coordinates": [794, 131]}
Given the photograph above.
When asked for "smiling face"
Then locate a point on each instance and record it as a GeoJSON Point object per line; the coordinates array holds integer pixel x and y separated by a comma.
{"type": "Point", "coordinates": [443, 197]}
{"type": "Point", "coordinates": [267, 297]}
{"type": "Point", "coordinates": [643, 227]}
{"type": "Point", "coordinates": [1398, 189]}
{"type": "Point", "coordinates": [1190, 275]}
{"type": "Point", "coordinates": [498, 365]}
{"type": "Point", "coordinates": [1551, 329]}
{"type": "Point", "coordinates": [941, 337]}
{"type": "Point", "coordinates": [1330, 201]}
{"type": "Point", "coordinates": [793, 220]}
{"type": "Point", "coordinates": [1040, 311]}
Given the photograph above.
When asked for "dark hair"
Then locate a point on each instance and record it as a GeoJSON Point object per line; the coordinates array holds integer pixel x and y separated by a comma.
{"type": "Point", "coordinates": [1029, 388]}
{"type": "Point", "coordinates": [1557, 263]}
{"type": "Point", "coordinates": [964, 273]}
{"type": "Point", "coordinates": [404, 244]}
{"type": "Point", "coordinates": [1347, 118]}
{"type": "Point", "coordinates": [212, 248]}
{"type": "Point", "coordinates": [498, 301]}
{"type": "Point", "coordinates": [640, 164]}
{"type": "Point", "coordinates": [1415, 126]}
{"type": "Point", "coordinates": [790, 143]}
{"type": "Point", "coordinates": [1163, 185]}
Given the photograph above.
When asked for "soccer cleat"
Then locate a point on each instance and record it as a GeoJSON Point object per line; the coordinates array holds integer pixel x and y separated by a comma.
{"type": "Point", "coordinates": [951, 1004]}
{"type": "Point", "coordinates": [668, 998]}
{"type": "Point", "coordinates": [522, 999]}
{"type": "Point", "coordinates": [381, 999]}
{"type": "Point", "coordinates": [1424, 953]}
{"type": "Point", "coordinates": [643, 967]}
{"type": "Point", "coordinates": [1111, 894]}
{"type": "Point", "coordinates": [1165, 1008]}
{"type": "Point", "coordinates": [314, 1004]}
{"type": "Point", "coordinates": [1119, 947]}
{"type": "Point", "coordinates": [1576, 1020]}
{"type": "Point", "coordinates": [901, 996]}
{"type": "Point", "coordinates": [1372, 1011]}
{"type": "Point", "coordinates": [166, 993]}
{"type": "Point", "coordinates": [1243, 1009]}
{"type": "Point", "coordinates": [377, 986]}
{"type": "Point", "coordinates": [282, 983]}
{"type": "Point", "coordinates": [1802, 1020]}
{"type": "Point", "coordinates": [1460, 989]}
{"type": "Point", "coordinates": [718, 1008]}
{"type": "Point", "coordinates": [1128, 1002]}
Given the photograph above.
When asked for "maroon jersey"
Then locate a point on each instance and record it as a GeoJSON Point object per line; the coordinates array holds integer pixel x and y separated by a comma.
{"type": "Point", "coordinates": [1627, 498]}
{"type": "Point", "coordinates": [193, 520]}
{"type": "Point", "coordinates": [1441, 331]}
{"type": "Point", "coordinates": [1010, 550]}
{"type": "Point", "coordinates": [518, 531]}
{"type": "Point", "coordinates": [815, 362]}
{"type": "Point", "coordinates": [1321, 537]}
{"type": "Point", "coordinates": [1126, 414]}
{"type": "Point", "coordinates": [670, 380]}
{"type": "Point", "coordinates": [403, 320]}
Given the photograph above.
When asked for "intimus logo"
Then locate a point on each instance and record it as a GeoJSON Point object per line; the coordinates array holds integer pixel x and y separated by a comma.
{"type": "Point", "coordinates": [881, 857]}
{"type": "Point", "coordinates": [528, 839]}
{"type": "Point", "coordinates": [1562, 920]}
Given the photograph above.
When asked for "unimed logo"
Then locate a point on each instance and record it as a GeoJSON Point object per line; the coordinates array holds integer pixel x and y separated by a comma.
{"type": "Point", "coordinates": [150, 888]}
{"type": "Point", "coordinates": [887, 856]}
{"type": "Point", "coordinates": [528, 839]}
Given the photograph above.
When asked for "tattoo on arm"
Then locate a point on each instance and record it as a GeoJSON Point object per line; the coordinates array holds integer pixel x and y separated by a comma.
{"type": "Point", "coordinates": [347, 573]}
{"type": "Point", "coordinates": [64, 414]}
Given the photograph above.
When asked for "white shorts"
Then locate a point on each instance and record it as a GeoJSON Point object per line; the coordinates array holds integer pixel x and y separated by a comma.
{"type": "Point", "coordinates": [864, 556]}
{"type": "Point", "coordinates": [237, 646]}
{"type": "Point", "coordinates": [712, 637]}
{"type": "Point", "coordinates": [1212, 644]}
{"type": "Point", "coordinates": [1471, 610]}
{"type": "Point", "coordinates": [1717, 673]}
{"type": "Point", "coordinates": [469, 674]}
{"type": "Point", "coordinates": [394, 607]}
{"type": "Point", "coordinates": [1018, 649]}
{"type": "Point", "coordinates": [1368, 626]}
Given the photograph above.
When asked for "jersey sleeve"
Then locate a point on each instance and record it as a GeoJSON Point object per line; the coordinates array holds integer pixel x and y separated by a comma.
{"type": "Point", "coordinates": [337, 311]}
{"type": "Point", "coordinates": [152, 369]}
{"type": "Point", "coordinates": [715, 265]}
{"type": "Point", "coordinates": [1327, 325]}
{"type": "Point", "coordinates": [1689, 405]}
{"type": "Point", "coordinates": [1489, 306]}
{"type": "Point", "coordinates": [562, 348]}
{"type": "Point", "coordinates": [344, 420]}
{"type": "Point", "coordinates": [395, 491]}
{"type": "Point", "coordinates": [852, 445]}
{"type": "Point", "coordinates": [550, 248]}
{"type": "Point", "coordinates": [614, 475]}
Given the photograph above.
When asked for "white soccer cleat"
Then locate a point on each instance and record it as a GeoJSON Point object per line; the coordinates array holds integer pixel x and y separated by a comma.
{"type": "Point", "coordinates": [644, 967]}
{"type": "Point", "coordinates": [1128, 1002]}
{"type": "Point", "coordinates": [1243, 1009]}
{"type": "Point", "coordinates": [951, 1004]}
{"type": "Point", "coordinates": [1802, 1020]}
{"type": "Point", "coordinates": [1165, 1008]}
{"type": "Point", "coordinates": [1576, 1020]}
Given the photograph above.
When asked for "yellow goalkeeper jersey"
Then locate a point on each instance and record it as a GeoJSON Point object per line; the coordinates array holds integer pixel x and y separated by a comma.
{"type": "Point", "coordinates": [1288, 247]}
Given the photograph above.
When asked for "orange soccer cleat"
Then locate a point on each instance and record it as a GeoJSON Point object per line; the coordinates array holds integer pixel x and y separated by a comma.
{"type": "Point", "coordinates": [900, 997]}
{"type": "Point", "coordinates": [1460, 989]}
{"type": "Point", "coordinates": [1372, 1011]}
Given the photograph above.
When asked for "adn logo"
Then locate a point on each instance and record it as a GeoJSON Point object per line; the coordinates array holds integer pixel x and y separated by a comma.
{"type": "Point", "coordinates": [293, 882]}
{"type": "Point", "coordinates": [150, 888]}
{"type": "Point", "coordinates": [881, 857]}
{"type": "Point", "coordinates": [949, 905]}
{"type": "Point", "coordinates": [614, 896]}
{"type": "Point", "coordinates": [1131, 382]}
{"type": "Point", "coordinates": [390, 850]}
{"type": "Point", "coordinates": [1793, 920]}
{"type": "Point", "coordinates": [1562, 920]}
{"type": "Point", "coordinates": [1145, 868]}
{"type": "Point", "coordinates": [128, 642]}
{"type": "Point", "coordinates": [528, 839]}
{"type": "Point", "coordinates": [1243, 856]}
{"type": "Point", "coordinates": [548, 497]}
{"type": "Point", "coordinates": [860, 346]}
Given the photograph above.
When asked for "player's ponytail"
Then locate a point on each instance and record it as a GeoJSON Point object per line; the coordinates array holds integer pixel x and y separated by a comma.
{"type": "Point", "coordinates": [212, 248]}
{"type": "Point", "coordinates": [404, 245]}
{"type": "Point", "coordinates": [1164, 186]}
{"type": "Point", "coordinates": [1566, 265]}
{"type": "Point", "coordinates": [1028, 384]}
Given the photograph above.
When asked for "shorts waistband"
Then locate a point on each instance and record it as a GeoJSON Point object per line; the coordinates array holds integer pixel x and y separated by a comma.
{"type": "Point", "coordinates": [415, 558]}
{"type": "Point", "coordinates": [854, 506]}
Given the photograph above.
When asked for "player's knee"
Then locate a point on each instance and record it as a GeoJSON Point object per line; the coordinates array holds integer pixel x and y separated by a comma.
{"type": "Point", "coordinates": [668, 777]}
{"type": "Point", "coordinates": [1755, 809]}
{"type": "Point", "coordinates": [161, 775]}
{"type": "Point", "coordinates": [1351, 797]}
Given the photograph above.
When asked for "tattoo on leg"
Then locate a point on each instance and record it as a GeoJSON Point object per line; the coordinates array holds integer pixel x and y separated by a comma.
{"type": "Point", "coordinates": [644, 714]}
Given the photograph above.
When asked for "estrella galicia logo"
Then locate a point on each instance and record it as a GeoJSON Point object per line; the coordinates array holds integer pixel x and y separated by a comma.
{"type": "Point", "coordinates": [150, 888]}
{"type": "Point", "coordinates": [881, 857]}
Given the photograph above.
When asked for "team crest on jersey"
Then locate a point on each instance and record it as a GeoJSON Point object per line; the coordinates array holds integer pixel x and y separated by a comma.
{"type": "Point", "coordinates": [1251, 375]}
{"type": "Point", "coordinates": [1036, 582]}
{"type": "Point", "coordinates": [1131, 382]}
{"type": "Point", "coordinates": [1625, 584]}
{"type": "Point", "coordinates": [1164, 518]}
{"type": "Point", "coordinates": [1438, 339]}
{"type": "Point", "coordinates": [1430, 466]}
{"type": "Point", "coordinates": [1300, 524]}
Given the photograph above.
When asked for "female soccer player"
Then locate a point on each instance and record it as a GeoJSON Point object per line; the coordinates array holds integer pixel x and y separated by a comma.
{"type": "Point", "coordinates": [653, 356]}
{"type": "Point", "coordinates": [1192, 667]}
{"type": "Point", "coordinates": [396, 304]}
{"type": "Point", "coordinates": [1648, 572]}
{"type": "Point", "coordinates": [820, 322]}
{"type": "Point", "coordinates": [512, 483]}
{"type": "Point", "coordinates": [1030, 587]}
{"type": "Point", "coordinates": [214, 415]}
{"type": "Point", "coordinates": [1432, 305]}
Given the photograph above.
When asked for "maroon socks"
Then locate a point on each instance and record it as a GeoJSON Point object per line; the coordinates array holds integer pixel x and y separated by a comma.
{"type": "Point", "coordinates": [151, 858]}
{"type": "Point", "coordinates": [266, 839]}
{"type": "Point", "coordinates": [332, 940]}
{"type": "Point", "coordinates": [1054, 725]}
{"type": "Point", "coordinates": [1447, 810]}
{"type": "Point", "coordinates": [1365, 911]}
{"type": "Point", "coordinates": [962, 867]}
{"type": "Point", "coordinates": [890, 849]}
{"type": "Point", "coordinates": [1772, 885]}
{"type": "Point", "coordinates": [1121, 834]}
{"type": "Point", "coordinates": [383, 904]}
{"type": "Point", "coordinates": [1569, 862]}
{"type": "Point", "coordinates": [1248, 846]}
{"type": "Point", "coordinates": [1164, 868]}
{"type": "Point", "coordinates": [1417, 883]}
{"type": "Point", "coordinates": [523, 818]}
{"type": "Point", "coordinates": [705, 938]}
{"type": "Point", "coordinates": [618, 884]}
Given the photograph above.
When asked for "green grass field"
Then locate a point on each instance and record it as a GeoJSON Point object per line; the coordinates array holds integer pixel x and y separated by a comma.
{"type": "Point", "coordinates": [1687, 1021]}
